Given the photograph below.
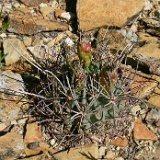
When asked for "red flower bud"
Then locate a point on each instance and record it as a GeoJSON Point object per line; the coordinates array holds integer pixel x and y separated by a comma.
{"type": "Point", "coordinates": [86, 47]}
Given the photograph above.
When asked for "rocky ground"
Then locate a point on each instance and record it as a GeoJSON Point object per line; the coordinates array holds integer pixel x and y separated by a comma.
{"type": "Point", "coordinates": [38, 36]}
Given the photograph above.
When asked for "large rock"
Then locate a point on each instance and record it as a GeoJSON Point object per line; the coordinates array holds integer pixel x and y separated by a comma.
{"type": "Point", "coordinates": [93, 14]}
{"type": "Point", "coordinates": [24, 23]}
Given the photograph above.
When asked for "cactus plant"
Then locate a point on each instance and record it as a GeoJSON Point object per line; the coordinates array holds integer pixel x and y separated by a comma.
{"type": "Point", "coordinates": [80, 101]}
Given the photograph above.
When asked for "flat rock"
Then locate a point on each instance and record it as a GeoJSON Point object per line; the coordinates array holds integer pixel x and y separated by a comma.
{"type": "Point", "coordinates": [14, 49]}
{"type": "Point", "coordinates": [33, 3]}
{"type": "Point", "coordinates": [26, 23]}
{"type": "Point", "coordinates": [141, 132]}
{"type": "Point", "coordinates": [120, 141]}
{"type": "Point", "coordinates": [81, 153]}
{"type": "Point", "coordinates": [94, 14]}
{"type": "Point", "coordinates": [151, 50]}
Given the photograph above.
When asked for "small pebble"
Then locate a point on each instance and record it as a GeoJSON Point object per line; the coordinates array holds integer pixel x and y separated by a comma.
{"type": "Point", "coordinates": [52, 142]}
{"type": "Point", "coordinates": [33, 145]}
{"type": "Point", "coordinates": [69, 42]}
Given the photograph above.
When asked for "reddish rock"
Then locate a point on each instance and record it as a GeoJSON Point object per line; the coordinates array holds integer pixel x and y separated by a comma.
{"type": "Point", "coordinates": [94, 14]}
{"type": "Point", "coordinates": [120, 141]}
{"type": "Point", "coordinates": [33, 3]}
{"type": "Point", "coordinates": [141, 132]}
{"type": "Point", "coordinates": [58, 13]}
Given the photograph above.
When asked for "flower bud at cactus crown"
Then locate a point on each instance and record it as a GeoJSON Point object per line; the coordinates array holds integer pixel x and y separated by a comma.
{"type": "Point", "coordinates": [86, 47]}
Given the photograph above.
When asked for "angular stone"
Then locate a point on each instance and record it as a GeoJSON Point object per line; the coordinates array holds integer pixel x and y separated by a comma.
{"type": "Point", "coordinates": [120, 141]}
{"type": "Point", "coordinates": [14, 48]}
{"type": "Point", "coordinates": [141, 132]}
{"type": "Point", "coordinates": [79, 153]}
{"type": "Point", "coordinates": [33, 3]}
{"type": "Point", "coordinates": [21, 23]}
{"type": "Point", "coordinates": [94, 14]}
